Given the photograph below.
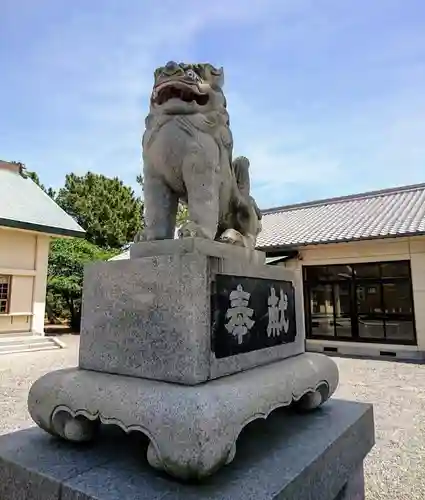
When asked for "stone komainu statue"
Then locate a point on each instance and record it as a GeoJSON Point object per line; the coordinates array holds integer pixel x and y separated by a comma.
{"type": "Point", "coordinates": [187, 156]}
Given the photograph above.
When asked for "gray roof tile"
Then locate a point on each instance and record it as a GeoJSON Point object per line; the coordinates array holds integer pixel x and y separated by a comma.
{"type": "Point", "coordinates": [378, 214]}
{"type": "Point", "coordinates": [24, 205]}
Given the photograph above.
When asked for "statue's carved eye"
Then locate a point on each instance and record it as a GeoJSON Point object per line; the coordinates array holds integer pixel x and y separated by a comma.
{"type": "Point", "coordinates": [192, 75]}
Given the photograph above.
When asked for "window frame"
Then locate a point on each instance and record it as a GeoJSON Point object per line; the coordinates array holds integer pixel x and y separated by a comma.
{"type": "Point", "coordinates": [354, 282]}
{"type": "Point", "coordinates": [7, 300]}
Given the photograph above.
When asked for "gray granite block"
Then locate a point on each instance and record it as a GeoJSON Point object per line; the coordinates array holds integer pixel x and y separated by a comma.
{"type": "Point", "coordinates": [195, 245]}
{"type": "Point", "coordinates": [285, 457]}
{"type": "Point", "coordinates": [151, 317]}
{"type": "Point", "coordinates": [33, 465]}
{"type": "Point", "coordinates": [193, 429]}
{"type": "Point", "coordinates": [148, 318]}
{"type": "Point", "coordinates": [354, 489]}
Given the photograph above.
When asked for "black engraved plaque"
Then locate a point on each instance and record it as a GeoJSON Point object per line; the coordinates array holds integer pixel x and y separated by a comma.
{"type": "Point", "coordinates": [248, 314]}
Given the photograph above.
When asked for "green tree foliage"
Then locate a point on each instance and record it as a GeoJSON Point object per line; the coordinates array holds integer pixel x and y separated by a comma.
{"type": "Point", "coordinates": [109, 211]}
{"type": "Point", "coordinates": [34, 177]}
{"type": "Point", "coordinates": [182, 214]}
{"type": "Point", "coordinates": [65, 276]}
{"type": "Point", "coordinates": [139, 180]}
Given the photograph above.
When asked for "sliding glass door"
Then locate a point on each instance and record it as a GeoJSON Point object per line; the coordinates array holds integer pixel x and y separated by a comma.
{"type": "Point", "coordinates": [369, 302]}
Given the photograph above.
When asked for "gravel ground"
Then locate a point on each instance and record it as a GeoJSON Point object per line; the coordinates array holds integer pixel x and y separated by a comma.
{"type": "Point", "coordinates": [19, 371]}
{"type": "Point", "coordinates": [395, 467]}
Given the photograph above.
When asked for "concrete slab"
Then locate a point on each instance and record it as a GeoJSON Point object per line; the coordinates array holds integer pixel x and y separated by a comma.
{"type": "Point", "coordinates": [285, 457]}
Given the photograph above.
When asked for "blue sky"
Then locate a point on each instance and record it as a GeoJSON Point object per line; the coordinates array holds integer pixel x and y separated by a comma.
{"type": "Point", "coordinates": [326, 97]}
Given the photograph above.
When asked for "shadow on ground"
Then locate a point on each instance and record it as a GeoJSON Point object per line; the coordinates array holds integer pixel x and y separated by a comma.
{"type": "Point", "coordinates": [57, 330]}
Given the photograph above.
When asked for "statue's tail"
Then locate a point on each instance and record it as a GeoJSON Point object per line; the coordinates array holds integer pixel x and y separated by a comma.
{"type": "Point", "coordinates": [240, 167]}
{"type": "Point", "coordinates": [244, 214]}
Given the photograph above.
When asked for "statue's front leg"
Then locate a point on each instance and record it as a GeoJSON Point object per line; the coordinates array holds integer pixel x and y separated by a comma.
{"type": "Point", "coordinates": [202, 181]}
{"type": "Point", "coordinates": [160, 208]}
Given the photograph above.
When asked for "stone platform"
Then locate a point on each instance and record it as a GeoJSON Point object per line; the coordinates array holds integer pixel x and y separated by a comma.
{"type": "Point", "coordinates": [192, 429]}
{"type": "Point", "coordinates": [187, 342]}
{"type": "Point", "coordinates": [200, 246]}
{"type": "Point", "coordinates": [317, 457]}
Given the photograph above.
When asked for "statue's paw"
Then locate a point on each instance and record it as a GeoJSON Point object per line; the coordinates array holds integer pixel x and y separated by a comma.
{"type": "Point", "coordinates": [191, 230]}
{"type": "Point", "coordinates": [233, 237]}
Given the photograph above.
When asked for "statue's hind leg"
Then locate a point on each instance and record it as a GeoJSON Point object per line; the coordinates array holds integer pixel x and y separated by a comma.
{"type": "Point", "coordinates": [160, 209]}
{"type": "Point", "coordinates": [202, 181]}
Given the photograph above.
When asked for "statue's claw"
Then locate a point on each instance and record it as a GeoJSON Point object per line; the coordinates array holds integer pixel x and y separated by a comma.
{"type": "Point", "coordinates": [234, 237]}
{"type": "Point", "coordinates": [191, 230]}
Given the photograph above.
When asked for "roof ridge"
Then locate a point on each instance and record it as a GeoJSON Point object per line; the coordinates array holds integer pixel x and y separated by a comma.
{"type": "Point", "coordinates": [340, 199]}
{"type": "Point", "coordinates": [26, 206]}
{"type": "Point", "coordinates": [15, 167]}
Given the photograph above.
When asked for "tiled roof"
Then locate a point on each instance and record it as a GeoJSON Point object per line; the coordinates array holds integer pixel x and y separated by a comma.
{"type": "Point", "coordinates": [24, 205]}
{"type": "Point", "coordinates": [378, 214]}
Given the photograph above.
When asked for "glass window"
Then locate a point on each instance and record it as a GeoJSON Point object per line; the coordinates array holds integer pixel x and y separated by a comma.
{"type": "Point", "coordinates": [398, 308]}
{"type": "Point", "coordinates": [367, 301]}
{"type": "Point", "coordinates": [340, 273]}
{"type": "Point", "coordinates": [321, 306]}
{"type": "Point", "coordinates": [397, 330]}
{"type": "Point", "coordinates": [369, 298]}
{"type": "Point", "coordinates": [316, 273]}
{"type": "Point", "coordinates": [397, 297]}
{"type": "Point", "coordinates": [329, 273]}
{"type": "Point", "coordinates": [371, 327]}
{"type": "Point", "coordinates": [343, 309]}
{"type": "Point", "coordinates": [366, 271]}
{"type": "Point", "coordinates": [369, 311]}
{"type": "Point", "coordinates": [4, 294]}
{"type": "Point", "coordinates": [398, 269]}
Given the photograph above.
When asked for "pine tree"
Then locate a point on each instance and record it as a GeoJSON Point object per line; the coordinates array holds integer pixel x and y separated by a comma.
{"type": "Point", "coordinates": [109, 211]}
{"type": "Point", "coordinates": [67, 259]}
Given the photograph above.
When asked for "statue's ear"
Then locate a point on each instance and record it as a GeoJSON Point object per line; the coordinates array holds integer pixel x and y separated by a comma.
{"type": "Point", "coordinates": [217, 76]}
{"type": "Point", "coordinates": [214, 75]}
{"type": "Point", "coordinates": [220, 77]}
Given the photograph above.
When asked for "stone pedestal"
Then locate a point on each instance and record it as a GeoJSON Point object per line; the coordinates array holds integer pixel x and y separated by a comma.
{"type": "Point", "coordinates": [187, 342]}
{"type": "Point", "coordinates": [163, 317]}
{"type": "Point", "coordinates": [192, 429]}
{"type": "Point", "coordinates": [317, 456]}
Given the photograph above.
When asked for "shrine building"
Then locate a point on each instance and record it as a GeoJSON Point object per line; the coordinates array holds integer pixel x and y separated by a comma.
{"type": "Point", "coordinates": [360, 260]}
{"type": "Point", "coordinates": [29, 218]}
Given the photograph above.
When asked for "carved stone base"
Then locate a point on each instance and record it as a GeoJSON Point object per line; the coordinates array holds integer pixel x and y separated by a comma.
{"type": "Point", "coordinates": [192, 429]}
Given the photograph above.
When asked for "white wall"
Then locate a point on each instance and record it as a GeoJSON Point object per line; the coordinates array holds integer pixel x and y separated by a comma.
{"type": "Point", "coordinates": [412, 249]}
{"type": "Point", "coordinates": [24, 256]}
{"type": "Point", "coordinates": [417, 263]}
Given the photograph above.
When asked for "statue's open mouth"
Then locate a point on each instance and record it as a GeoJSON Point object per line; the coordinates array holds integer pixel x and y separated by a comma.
{"type": "Point", "coordinates": [179, 91]}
